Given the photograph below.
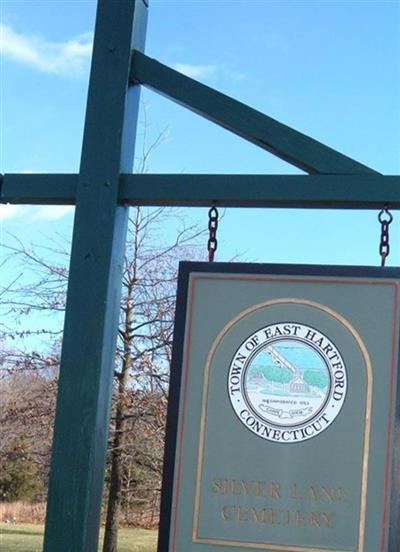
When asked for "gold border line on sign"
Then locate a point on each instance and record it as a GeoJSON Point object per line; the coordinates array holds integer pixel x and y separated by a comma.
{"type": "Point", "coordinates": [203, 418]}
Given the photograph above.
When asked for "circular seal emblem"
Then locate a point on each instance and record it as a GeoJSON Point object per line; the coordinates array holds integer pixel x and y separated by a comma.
{"type": "Point", "coordinates": [287, 382]}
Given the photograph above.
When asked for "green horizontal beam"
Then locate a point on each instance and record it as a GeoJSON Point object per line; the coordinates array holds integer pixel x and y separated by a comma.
{"type": "Point", "coordinates": [47, 189]}
{"type": "Point", "coordinates": [286, 191]}
{"type": "Point", "coordinates": [200, 190]}
{"type": "Point", "coordinates": [290, 145]}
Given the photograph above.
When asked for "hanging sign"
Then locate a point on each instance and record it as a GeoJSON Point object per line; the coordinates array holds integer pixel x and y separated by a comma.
{"type": "Point", "coordinates": [282, 418]}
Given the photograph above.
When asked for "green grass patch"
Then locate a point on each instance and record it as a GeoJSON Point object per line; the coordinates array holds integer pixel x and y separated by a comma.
{"type": "Point", "coordinates": [16, 537]}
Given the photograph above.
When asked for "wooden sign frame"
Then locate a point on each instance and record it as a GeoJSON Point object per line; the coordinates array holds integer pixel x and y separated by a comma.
{"type": "Point", "coordinates": [367, 278]}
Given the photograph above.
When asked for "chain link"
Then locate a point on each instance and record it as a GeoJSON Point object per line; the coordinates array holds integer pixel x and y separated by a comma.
{"type": "Point", "coordinates": [385, 217]}
{"type": "Point", "coordinates": [212, 243]}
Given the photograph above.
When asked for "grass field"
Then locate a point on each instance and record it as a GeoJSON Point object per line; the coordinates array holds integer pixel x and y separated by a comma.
{"type": "Point", "coordinates": [29, 538]}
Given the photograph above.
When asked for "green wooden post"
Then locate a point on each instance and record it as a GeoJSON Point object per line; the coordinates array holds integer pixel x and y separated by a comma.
{"type": "Point", "coordinates": [87, 361]}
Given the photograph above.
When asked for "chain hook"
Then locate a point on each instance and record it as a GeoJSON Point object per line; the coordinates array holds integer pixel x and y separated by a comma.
{"type": "Point", "coordinates": [385, 217]}
{"type": "Point", "coordinates": [212, 243]}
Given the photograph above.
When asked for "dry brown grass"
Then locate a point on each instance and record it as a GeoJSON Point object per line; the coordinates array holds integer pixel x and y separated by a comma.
{"type": "Point", "coordinates": [22, 512]}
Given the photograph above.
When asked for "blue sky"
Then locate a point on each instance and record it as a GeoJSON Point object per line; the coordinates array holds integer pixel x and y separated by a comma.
{"type": "Point", "coordinates": [330, 69]}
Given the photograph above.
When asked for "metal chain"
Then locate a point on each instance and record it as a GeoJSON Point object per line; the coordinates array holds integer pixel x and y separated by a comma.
{"type": "Point", "coordinates": [212, 243]}
{"type": "Point", "coordinates": [385, 217]}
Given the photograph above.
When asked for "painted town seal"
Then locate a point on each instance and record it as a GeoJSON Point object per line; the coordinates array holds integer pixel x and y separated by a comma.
{"type": "Point", "coordinates": [287, 382]}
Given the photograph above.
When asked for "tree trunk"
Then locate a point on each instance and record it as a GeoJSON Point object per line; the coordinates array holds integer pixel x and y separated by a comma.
{"type": "Point", "coordinates": [114, 497]}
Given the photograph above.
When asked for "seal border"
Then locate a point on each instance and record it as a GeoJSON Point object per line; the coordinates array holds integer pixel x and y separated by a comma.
{"type": "Point", "coordinates": [327, 397]}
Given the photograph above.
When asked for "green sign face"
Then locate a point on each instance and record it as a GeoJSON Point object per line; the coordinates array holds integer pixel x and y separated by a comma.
{"type": "Point", "coordinates": [284, 392]}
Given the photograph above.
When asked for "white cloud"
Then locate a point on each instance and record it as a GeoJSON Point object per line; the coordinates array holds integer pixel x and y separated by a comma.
{"type": "Point", "coordinates": [67, 59]}
{"type": "Point", "coordinates": [10, 211]}
{"type": "Point", "coordinates": [30, 213]}
{"type": "Point", "coordinates": [51, 212]}
{"type": "Point", "coordinates": [221, 70]}
{"type": "Point", "coordinates": [195, 71]}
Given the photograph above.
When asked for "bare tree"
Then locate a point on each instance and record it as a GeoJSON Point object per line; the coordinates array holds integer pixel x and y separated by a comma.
{"type": "Point", "coordinates": [28, 386]}
{"type": "Point", "coordinates": [142, 357]}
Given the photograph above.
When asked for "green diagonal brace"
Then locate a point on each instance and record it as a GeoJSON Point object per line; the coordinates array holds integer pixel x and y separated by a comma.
{"type": "Point", "coordinates": [284, 142]}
